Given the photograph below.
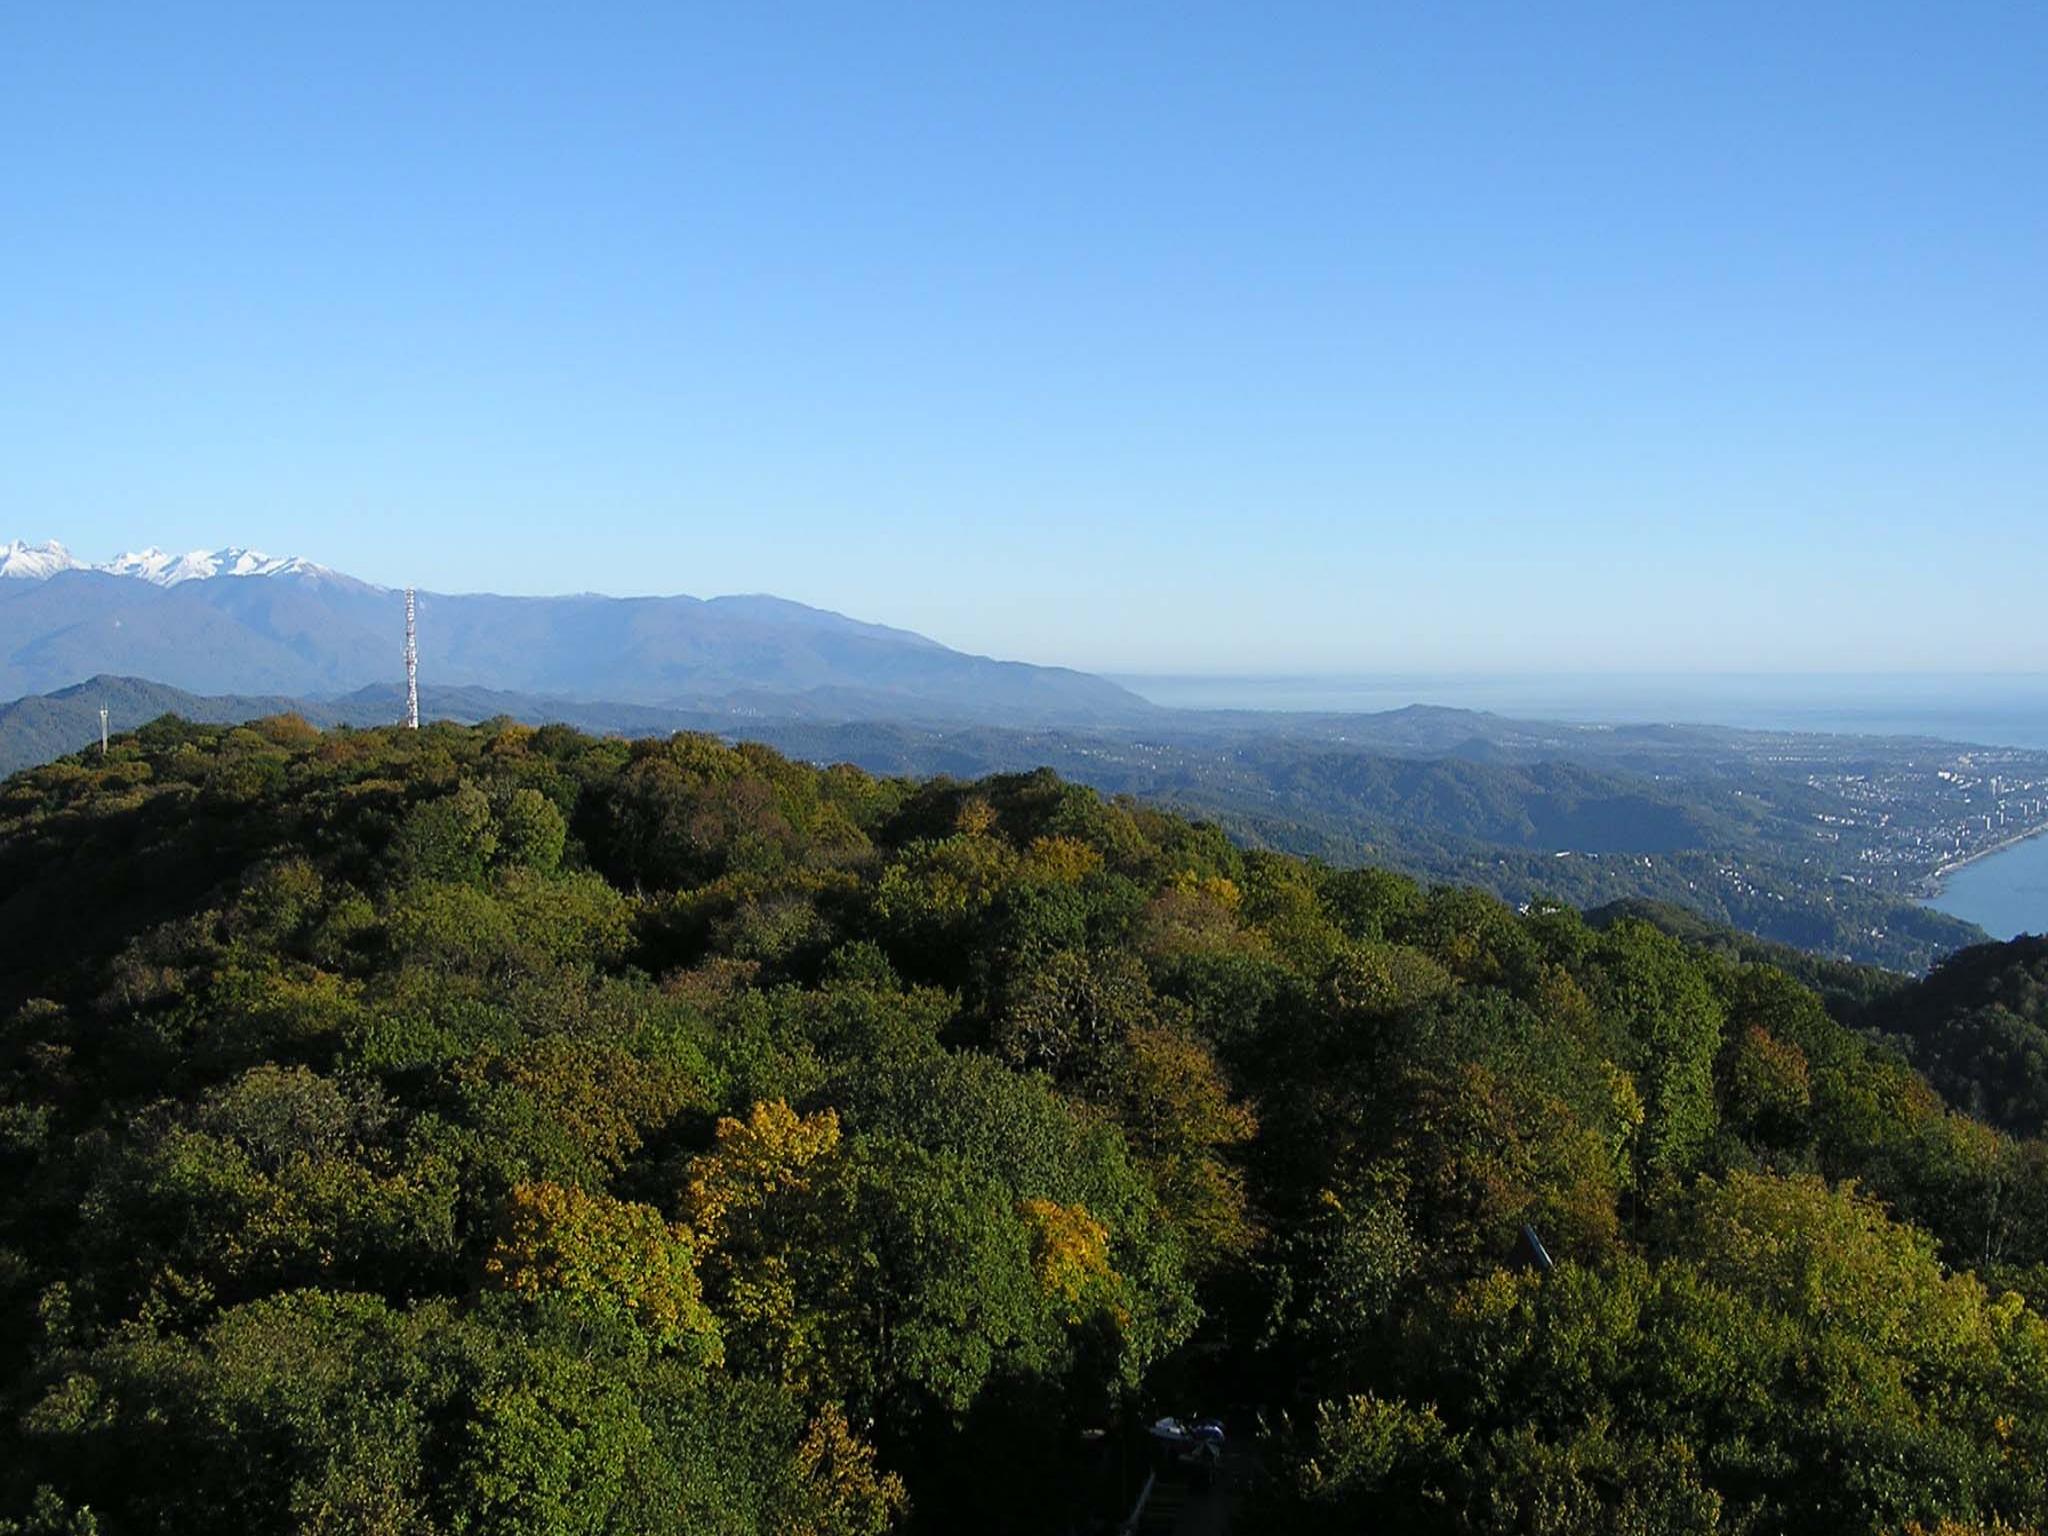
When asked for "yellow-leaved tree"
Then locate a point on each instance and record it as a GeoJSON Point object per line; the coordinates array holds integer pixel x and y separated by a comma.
{"type": "Point", "coordinates": [729, 1200]}
{"type": "Point", "coordinates": [559, 1240]}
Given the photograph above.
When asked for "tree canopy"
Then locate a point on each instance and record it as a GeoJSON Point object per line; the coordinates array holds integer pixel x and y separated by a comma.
{"type": "Point", "coordinates": [493, 1129]}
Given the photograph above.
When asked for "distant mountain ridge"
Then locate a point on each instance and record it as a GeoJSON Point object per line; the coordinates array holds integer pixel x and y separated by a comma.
{"type": "Point", "coordinates": [236, 621]}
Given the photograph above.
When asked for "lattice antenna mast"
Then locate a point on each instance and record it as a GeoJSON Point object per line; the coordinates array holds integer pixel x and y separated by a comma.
{"type": "Point", "coordinates": [412, 667]}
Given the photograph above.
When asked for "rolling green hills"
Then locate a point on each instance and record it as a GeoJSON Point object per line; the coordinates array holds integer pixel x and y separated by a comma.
{"type": "Point", "coordinates": [1722, 822]}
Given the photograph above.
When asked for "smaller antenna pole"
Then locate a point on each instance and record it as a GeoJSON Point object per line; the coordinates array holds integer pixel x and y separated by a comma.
{"type": "Point", "coordinates": [412, 667]}
{"type": "Point", "coordinates": [103, 730]}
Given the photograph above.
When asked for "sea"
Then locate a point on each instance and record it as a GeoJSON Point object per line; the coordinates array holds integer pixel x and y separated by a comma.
{"type": "Point", "coordinates": [2006, 893]}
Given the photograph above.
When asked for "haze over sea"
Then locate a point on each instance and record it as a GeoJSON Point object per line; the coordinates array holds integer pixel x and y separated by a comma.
{"type": "Point", "coordinates": [1990, 709]}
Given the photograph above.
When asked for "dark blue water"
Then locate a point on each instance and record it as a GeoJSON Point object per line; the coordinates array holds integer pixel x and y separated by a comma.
{"type": "Point", "coordinates": [2005, 894]}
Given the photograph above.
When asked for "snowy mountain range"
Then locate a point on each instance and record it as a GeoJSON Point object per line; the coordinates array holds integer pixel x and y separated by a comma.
{"type": "Point", "coordinates": [39, 562]}
{"type": "Point", "coordinates": [237, 621]}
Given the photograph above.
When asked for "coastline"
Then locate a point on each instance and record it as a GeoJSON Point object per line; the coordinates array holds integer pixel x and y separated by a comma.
{"type": "Point", "coordinates": [1931, 884]}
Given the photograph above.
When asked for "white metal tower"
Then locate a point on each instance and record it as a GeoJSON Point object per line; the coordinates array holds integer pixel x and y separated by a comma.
{"type": "Point", "coordinates": [412, 667]}
{"type": "Point", "coordinates": [103, 730]}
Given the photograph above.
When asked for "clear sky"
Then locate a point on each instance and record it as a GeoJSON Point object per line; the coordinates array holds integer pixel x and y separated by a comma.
{"type": "Point", "coordinates": [1146, 337]}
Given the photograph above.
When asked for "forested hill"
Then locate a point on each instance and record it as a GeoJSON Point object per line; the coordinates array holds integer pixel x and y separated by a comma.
{"type": "Point", "coordinates": [1978, 1027]}
{"type": "Point", "coordinates": [497, 1130]}
{"type": "Point", "coordinates": [1775, 835]}
{"type": "Point", "coordinates": [44, 726]}
{"type": "Point", "coordinates": [1851, 991]}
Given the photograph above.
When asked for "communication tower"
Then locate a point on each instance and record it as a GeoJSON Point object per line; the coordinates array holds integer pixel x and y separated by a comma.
{"type": "Point", "coordinates": [412, 667]}
{"type": "Point", "coordinates": [103, 730]}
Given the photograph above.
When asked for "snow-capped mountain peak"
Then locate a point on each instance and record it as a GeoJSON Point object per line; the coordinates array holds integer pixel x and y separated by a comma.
{"type": "Point", "coordinates": [158, 566]}
{"type": "Point", "coordinates": [35, 562]}
{"type": "Point", "coordinates": [38, 562]}
{"type": "Point", "coordinates": [167, 570]}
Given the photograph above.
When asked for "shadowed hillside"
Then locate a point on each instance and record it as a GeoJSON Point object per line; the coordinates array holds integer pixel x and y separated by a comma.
{"type": "Point", "coordinates": [1978, 1027]}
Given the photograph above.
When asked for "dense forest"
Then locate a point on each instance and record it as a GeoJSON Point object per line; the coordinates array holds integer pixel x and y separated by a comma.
{"type": "Point", "coordinates": [499, 1130]}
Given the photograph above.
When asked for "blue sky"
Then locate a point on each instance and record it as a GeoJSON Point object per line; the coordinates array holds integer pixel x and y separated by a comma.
{"type": "Point", "coordinates": [1190, 338]}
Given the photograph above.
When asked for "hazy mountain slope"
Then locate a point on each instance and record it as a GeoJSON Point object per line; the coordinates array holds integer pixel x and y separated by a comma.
{"type": "Point", "coordinates": [210, 637]}
{"type": "Point", "coordinates": [305, 631]}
